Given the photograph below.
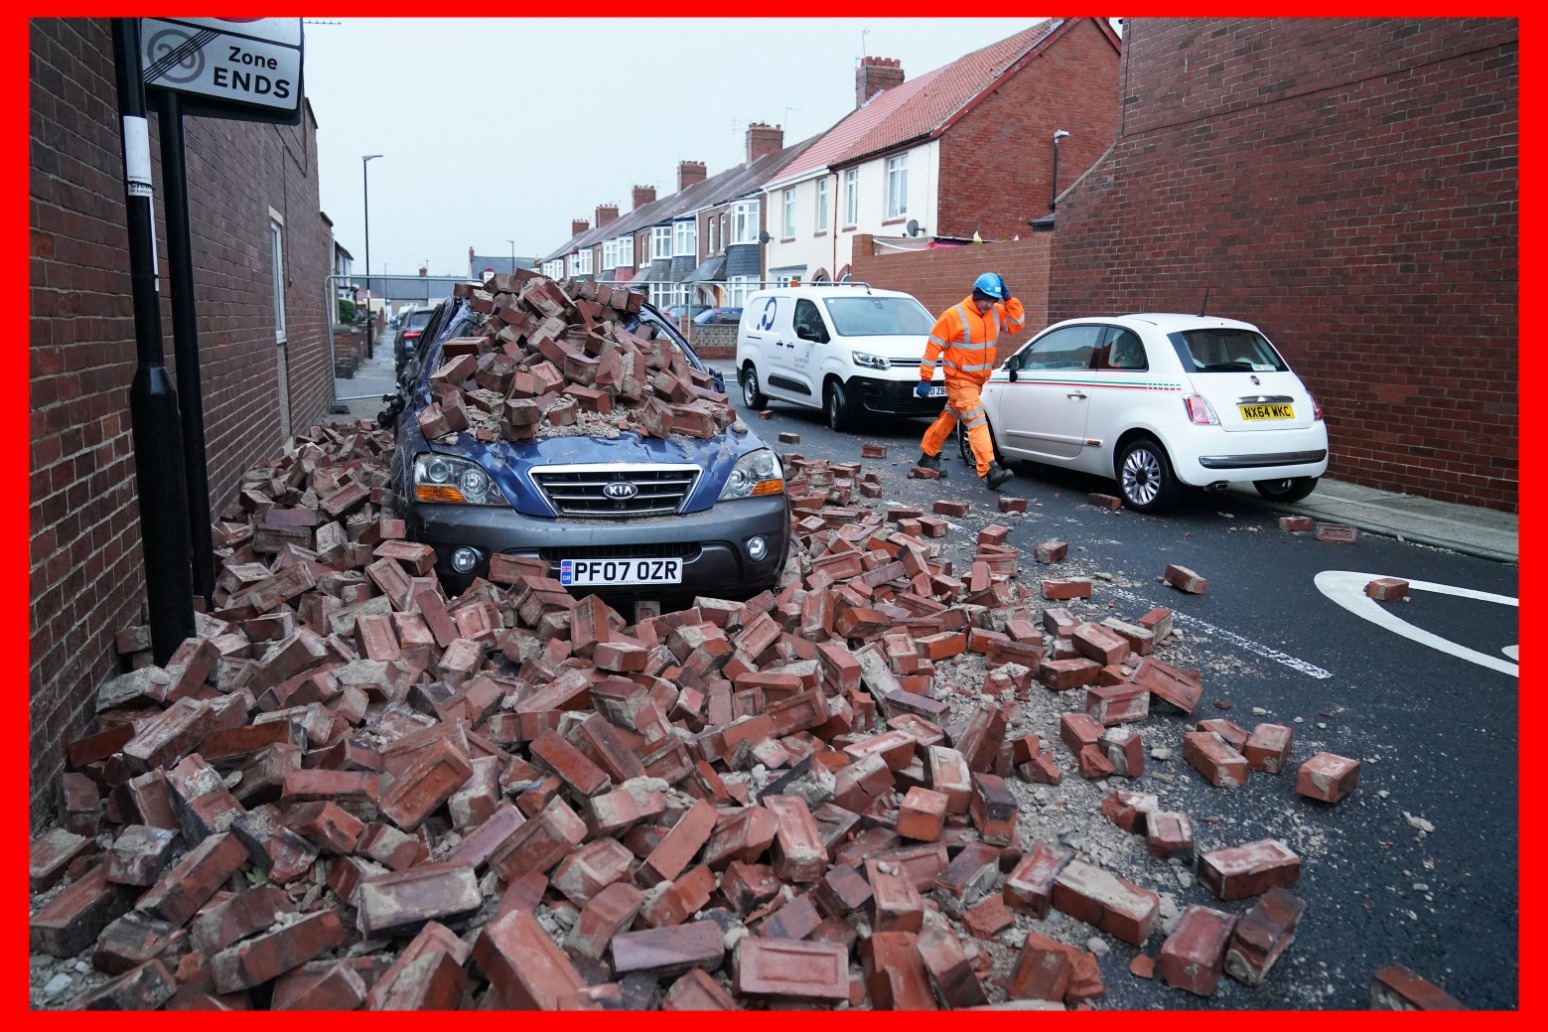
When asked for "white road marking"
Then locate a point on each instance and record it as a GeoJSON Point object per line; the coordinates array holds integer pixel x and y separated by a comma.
{"type": "Point", "coordinates": [1309, 669]}
{"type": "Point", "coordinates": [1513, 651]}
{"type": "Point", "coordinates": [1347, 588]}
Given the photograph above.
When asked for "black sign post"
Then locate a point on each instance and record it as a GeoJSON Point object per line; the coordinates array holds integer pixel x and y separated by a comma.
{"type": "Point", "coordinates": [153, 412]}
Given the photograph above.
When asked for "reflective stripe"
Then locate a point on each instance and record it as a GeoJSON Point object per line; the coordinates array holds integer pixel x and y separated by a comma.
{"type": "Point", "coordinates": [972, 347]}
{"type": "Point", "coordinates": [996, 311]}
{"type": "Point", "coordinates": [948, 364]}
{"type": "Point", "coordinates": [977, 368]}
{"type": "Point", "coordinates": [974, 412]}
{"type": "Point", "coordinates": [973, 424]}
{"type": "Point", "coordinates": [936, 340]}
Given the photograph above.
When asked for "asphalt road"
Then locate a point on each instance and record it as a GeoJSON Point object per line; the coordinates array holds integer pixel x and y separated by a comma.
{"type": "Point", "coordinates": [1419, 865]}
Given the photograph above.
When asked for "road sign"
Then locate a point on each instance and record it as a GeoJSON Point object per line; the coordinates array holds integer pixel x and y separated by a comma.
{"type": "Point", "coordinates": [241, 68]}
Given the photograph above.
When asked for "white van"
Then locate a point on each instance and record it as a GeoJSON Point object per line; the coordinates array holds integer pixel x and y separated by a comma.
{"type": "Point", "coordinates": [846, 348]}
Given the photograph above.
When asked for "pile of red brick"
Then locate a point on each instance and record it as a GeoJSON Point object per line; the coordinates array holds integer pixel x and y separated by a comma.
{"type": "Point", "coordinates": [351, 791]}
{"type": "Point", "coordinates": [555, 355]}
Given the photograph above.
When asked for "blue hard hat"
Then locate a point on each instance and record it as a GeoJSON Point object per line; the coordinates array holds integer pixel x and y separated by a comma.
{"type": "Point", "coordinates": [991, 284]}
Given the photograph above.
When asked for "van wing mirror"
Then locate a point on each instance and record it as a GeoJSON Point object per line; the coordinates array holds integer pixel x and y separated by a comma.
{"type": "Point", "coordinates": [811, 333]}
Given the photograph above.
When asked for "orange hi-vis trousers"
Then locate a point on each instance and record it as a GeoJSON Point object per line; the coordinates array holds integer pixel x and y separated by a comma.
{"type": "Point", "coordinates": [962, 402]}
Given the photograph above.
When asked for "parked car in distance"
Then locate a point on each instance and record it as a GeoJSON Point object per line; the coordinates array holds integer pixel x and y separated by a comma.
{"type": "Point", "coordinates": [718, 317]}
{"type": "Point", "coordinates": [680, 312]}
{"type": "Point", "coordinates": [1159, 403]}
{"type": "Point", "coordinates": [845, 348]}
{"type": "Point", "coordinates": [411, 323]}
{"type": "Point", "coordinates": [616, 513]}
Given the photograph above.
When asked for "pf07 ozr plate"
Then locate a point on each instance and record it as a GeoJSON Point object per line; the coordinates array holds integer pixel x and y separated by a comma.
{"type": "Point", "coordinates": [616, 572]}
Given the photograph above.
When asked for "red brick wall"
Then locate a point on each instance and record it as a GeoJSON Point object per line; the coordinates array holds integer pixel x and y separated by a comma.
{"type": "Point", "coordinates": [942, 276]}
{"type": "Point", "coordinates": [85, 562]}
{"type": "Point", "coordinates": [997, 161]}
{"type": "Point", "coordinates": [1350, 187]}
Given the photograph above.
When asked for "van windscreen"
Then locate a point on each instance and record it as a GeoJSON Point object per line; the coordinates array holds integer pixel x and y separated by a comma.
{"type": "Point", "coordinates": [878, 316]}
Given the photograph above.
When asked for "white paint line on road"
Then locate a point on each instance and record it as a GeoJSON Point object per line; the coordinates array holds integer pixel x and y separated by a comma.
{"type": "Point", "coordinates": [1257, 648]}
{"type": "Point", "coordinates": [1347, 588]}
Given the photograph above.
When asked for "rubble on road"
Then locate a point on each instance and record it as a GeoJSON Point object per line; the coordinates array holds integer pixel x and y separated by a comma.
{"type": "Point", "coordinates": [351, 791]}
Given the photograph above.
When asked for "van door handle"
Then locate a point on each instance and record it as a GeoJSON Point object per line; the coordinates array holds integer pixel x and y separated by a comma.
{"type": "Point", "coordinates": [1077, 395]}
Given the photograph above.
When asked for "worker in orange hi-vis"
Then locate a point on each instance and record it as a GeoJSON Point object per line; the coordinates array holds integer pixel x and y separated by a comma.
{"type": "Point", "coordinates": [963, 342]}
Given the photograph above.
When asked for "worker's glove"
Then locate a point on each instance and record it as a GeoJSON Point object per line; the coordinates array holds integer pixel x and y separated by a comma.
{"type": "Point", "coordinates": [1005, 292]}
{"type": "Point", "coordinates": [923, 389]}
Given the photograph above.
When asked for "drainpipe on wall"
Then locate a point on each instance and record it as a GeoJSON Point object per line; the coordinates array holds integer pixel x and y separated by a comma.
{"type": "Point", "coordinates": [1053, 197]}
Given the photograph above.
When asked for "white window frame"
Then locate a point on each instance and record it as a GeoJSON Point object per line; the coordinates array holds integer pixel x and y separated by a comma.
{"type": "Point", "coordinates": [851, 196]}
{"type": "Point", "coordinates": [685, 238]}
{"type": "Point", "coordinates": [661, 242]}
{"type": "Point", "coordinates": [822, 204]}
{"type": "Point", "coordinates": [626, 251]}
{"type": "Point", "coordinates": [897, 186]}
{"type": "Point", "coordinates": [714, 236]}
{"type": "Point", "coordinates": [739, 289]}
{"type": "Point", "coordinates": [277, 265]}
{"type": "Point", "coordinates": [744, 223]}
{"type": "Point", "coordinates": [790, 206]}
{"type": "Point", "coordinates": [583, 263]}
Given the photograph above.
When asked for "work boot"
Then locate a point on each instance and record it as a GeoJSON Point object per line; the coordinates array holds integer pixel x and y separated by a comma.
{"type": "Point", "coordinates": [930, 461]}
{"type": "Point", "coordinates": [996, 476]}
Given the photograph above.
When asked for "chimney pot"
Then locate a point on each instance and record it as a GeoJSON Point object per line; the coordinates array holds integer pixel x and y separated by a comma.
{"type": "Point", "coordinates": [764, 139]}
{"type": "Point", "coordinates": [689, 173]}
{"type": "Point", "coordinates": [874, 75]}
{"type": "Point", "coordinates": [578, 226]}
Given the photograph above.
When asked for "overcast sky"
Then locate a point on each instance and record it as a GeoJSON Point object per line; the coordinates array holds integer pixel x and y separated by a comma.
{"type": "Point", "coordinates": [495, 130]}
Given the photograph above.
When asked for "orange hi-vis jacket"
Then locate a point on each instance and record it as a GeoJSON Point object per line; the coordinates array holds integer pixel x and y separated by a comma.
{"type": "Point", "coordinates": [963, 341]}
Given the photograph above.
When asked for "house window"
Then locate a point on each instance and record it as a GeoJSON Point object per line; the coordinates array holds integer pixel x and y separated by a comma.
{"type": "Point", "coordinates": [789, 229]}
{"type": "Point", "coordinates": [661, 242]}
{"type": "Point", "coordinates": [584, 259]}
{"type": "Point", "coordinates": [277, 246]}
{"type": "Point", "coordinates": [738, 290]}
{"type": "Point", "coordinates": [685, 237]}
{"type": "Point", "coordinates": [724, 237]}
{"type": "Point", "coordinates": [851, 196]}
{"type": "Point", "coordinates": [626, 251]}
{"type": "Point", "coordinates": [609, 255]}
{"type": "Point", "coordinates": [822, 204]}
{"type": "Point", "coordinates": [744, 223]}
{"type": "Point", "coordinates": [714, 237]}
{"type": "Point", "coordinates": [897, 186]}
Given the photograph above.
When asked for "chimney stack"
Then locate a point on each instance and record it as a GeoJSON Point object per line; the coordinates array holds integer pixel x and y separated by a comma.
{"type": "Point", "coordinates": [689, 173]}
{"type": "Point", "coordinates": [578, 226]}
{"type": "Point", "coordinates": [643, 195]}
{"type": "Point", "coordinates": [423, 271]}
{"type": "Point", "coordinates": [763, 140]}
{"type": "Point", "coordinates": [606, 213]}
{"type": "Point", "coordinates": [874, 75]}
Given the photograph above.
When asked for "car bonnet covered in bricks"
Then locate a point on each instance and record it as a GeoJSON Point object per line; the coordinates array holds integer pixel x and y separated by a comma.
{"type": "Point", "coordinates": [569, 423]}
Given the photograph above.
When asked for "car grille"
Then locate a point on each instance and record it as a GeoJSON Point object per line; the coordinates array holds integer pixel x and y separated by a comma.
{"type": "Point", "coordinates": [670, 550]}
{"type": "Point", "coordinates": [580, 490]}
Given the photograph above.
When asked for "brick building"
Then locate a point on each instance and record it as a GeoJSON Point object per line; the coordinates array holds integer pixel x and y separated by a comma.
{"type": "Point", "coordinates": [251, 187]}
{"type": "Point", "coordinates": [1351, 187]}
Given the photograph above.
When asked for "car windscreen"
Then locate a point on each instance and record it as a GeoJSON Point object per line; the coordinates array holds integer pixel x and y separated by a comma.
{"type": "Point", "coordinates": [1224, 350]}
{"type": "Point", "coordinates": [867, 316]}
{"type": "Point", "coordinates": [416, 320]}
{"type": "Point", "coordinates": [664, 327]}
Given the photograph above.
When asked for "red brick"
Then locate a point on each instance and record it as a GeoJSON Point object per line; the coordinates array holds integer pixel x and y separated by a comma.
{"type": "Point", "coordinates": [189, 884]}
{"type": "Point", "coordinates": [244, 914]}
{"type": "Point", "coordinates": [1077, 730]}
{"type": "Point", "coordinates": [1297, 524]}
{"type": "Point", "coordinates": [799, 854]}
{"type": "Point", "coordinates": [841, 891]}
{"type": "Point", "coordinates": [1387, 589]}
{"type": "Point", "coordinates": [1059, 674]}
{"type": "Point", "coordinates": [667, 952]}
{"type": "Point", "coordinates": [922, 815]}
{"type": "Point", "coordinates": [72, 920]}
{"type": "Point", "coordinates": [540, 843]}
{"type": "Point", "coordinates": [946, 771]}
{"type": "Point", "coordinates": [583, 777]}
{"type": "Point", "coordinates": [1043, 970]}
{"type": "Point", "coordinates": [1168, 834]}
{"type": "Point", "coordinates": [1327, 777]}
{"type": "Point", "coordinates": [1180, 688]}
{"type": "Point", "coordinates": [402, 902]}
{"type": "Point", "coordinates": [673, 855]}
{"type": "Point", "coordinates": [1008, 504]}
{"type": "Point", "coordinates": [745, 836]}
{"type": "Point", "coordinates": [1239, 872]}
{"type": "Point", "coordinates": [334, 831]}
{"type": "Point", "coordinates": [52, 853]}
{"type": "Point", "coordinates": [1395, 987]}
{"type": "Point", "coordinates": [526, 971]}
{"type": "Point", "coordinates": [1125, 751]}
{"type": "Point", "coordinates": [144, 988]}
{"type": "Point", "coordinates": [1268, 747]}
{"type": "Point", "coordinates": [896, 905]}
{"type": "Point", "coordinates": [1104, 501]}
{"type": "Point", "coordinates": [1061, 590]}
{"type": "Point", "coordinates": [425, 786]}
{"type": "Point", "coordinates": [895, 973]}
{"type": "Point", "coordinates": [1118, 703]}
{"type": "Point", "coordinates": [1099, 643]}
{"type": "Point", "coordinates": [1093, 763]}
{"type": "Point", "coordinates": [993, 809]}
{"type": "Point", "coordinates": [697, 991]}
{"type": "Point", "coordinates": [968, 878]}
{"type": "Point", "coordinates": [591, 868]}
{"type": "Point", "coordinates": [782, 970]}
{"type": "Point", "coordinates": [267, 956]}
{"type": "Point", "coordinates": [1262, 934]}
{"type": "Point", "coordinates": [1184, 579]}
{"type": "Point", "coordinates": [1235, 736]}
{"type": "Point", "coordinates": [1208, 753]}
{"type": "Point", "coordinates": [1112, 904]}
{"type": "Point", "coordinates": [949, 968]}
{"type": "Point", "coordinates": [1127, 810]}
{"type": "Point", "coordinates": [1030, 886]}
{"type": "Point", "coordinates": [1336, 532]}
{"type": "Point", "coordinates": [603, 916]}
{"type": "Point", "coordinates": [139, 855]}
{"type": "Point", "coordinates": [1193, 955]}
{"type": "Point", "coordinates": [988, 918]}
{"type": "Point", "coordinates": [319, 986]}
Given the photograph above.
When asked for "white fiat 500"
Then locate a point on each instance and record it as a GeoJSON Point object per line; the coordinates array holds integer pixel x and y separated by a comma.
{"type": "Point", "coordinates": [1159, 403]}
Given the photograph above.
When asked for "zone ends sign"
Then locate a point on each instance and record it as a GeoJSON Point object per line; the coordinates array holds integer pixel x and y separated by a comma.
{"type": "Point", "coordinates": [241, 68]}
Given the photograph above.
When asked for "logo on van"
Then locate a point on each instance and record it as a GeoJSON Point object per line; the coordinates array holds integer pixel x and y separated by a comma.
{"type": "Point", "coordinates": [619, 490]}
{"type": "Point", "coordinates": [766, 321]}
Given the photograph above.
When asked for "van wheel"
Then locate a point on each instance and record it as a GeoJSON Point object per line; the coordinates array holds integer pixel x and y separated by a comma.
{"type": "Point", "coordinates": [1289, 489]}
{"type": "Point", "coordinates": [1145, 477]}
{"type": "Point", "coordinates": [752, 397]}
{"type": "Point", "coordinates": [835, 406]}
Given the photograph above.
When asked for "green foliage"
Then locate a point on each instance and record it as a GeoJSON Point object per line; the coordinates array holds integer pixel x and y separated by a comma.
{"type": "Point", "coordinates": [347, 310]}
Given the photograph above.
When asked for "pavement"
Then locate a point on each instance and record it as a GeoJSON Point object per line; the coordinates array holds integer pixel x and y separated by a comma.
{"type": "Point", "coordinates": [1468, 529]}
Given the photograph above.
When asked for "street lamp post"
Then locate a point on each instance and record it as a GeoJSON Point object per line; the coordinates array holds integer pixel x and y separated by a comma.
{"type": "Point", "coordinates": [513, 256]}
{"type": "Point", "coordinates": [365, 175]}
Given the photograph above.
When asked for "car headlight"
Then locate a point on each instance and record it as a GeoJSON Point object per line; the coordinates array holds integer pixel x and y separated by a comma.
{"type": "Point", "coordinates": [442, 478]}
{"type": "Point", "coordinates": [869, 361]}
{"type": "Point", "coordinates": [756, 474]}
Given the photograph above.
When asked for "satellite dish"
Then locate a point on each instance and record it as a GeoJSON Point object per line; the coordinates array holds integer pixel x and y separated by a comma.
{"type": "Point", "coordinates": [763, 236]}
{"type": "Point", "coordinates": [912, 227]}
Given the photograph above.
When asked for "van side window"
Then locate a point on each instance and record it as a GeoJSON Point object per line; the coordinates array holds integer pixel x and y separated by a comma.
{"type": "Point", "coordinates": [807, 317]}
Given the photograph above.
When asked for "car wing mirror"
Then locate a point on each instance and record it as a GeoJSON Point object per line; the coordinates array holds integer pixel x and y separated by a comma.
{"type": "Point", "coordinates": [1010, 371]}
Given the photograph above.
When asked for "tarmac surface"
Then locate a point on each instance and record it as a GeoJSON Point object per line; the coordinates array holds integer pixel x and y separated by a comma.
{"type": "Point", "coordinates": [1470, 530]}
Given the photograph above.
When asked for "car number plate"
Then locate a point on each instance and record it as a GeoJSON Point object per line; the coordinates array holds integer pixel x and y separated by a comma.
{"type": "Point", "coordinates": [1267, 411]}
{"type": "Point", "coordinates": [583, 572]}
{"type": "Point", "coordinates": [937, 392]}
